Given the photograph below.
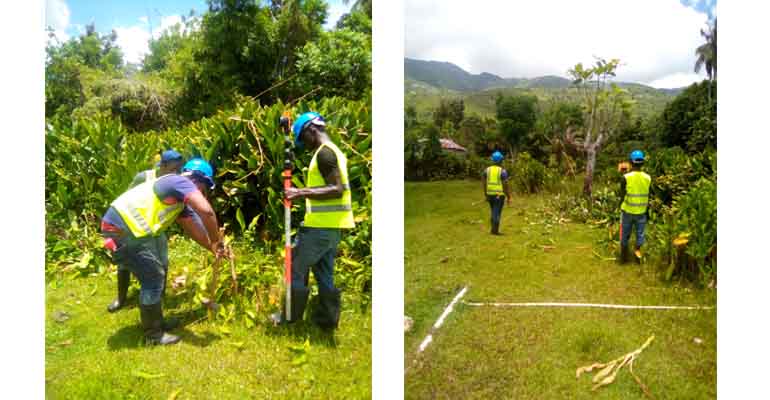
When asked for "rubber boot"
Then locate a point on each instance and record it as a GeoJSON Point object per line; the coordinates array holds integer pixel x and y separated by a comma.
{"type": "Point", "coordinates": [124, 279]}
{"type": "Point", "coordinates": [171, 322]}
{"type": "Point", "coordinates": [327, 312]}
{"type": "Point", "coordinates": [623, 255]}
{"type": "Point", "coordinates": [152, 321]}
{"type": "Point", "coordinates": [298, 302]}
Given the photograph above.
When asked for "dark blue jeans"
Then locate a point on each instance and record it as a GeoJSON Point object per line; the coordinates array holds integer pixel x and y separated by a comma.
{"type": "Point", "coordinates": [147, 259]}
{"type": "Point", "coordinates": [496, 204]}
{"type": "Point", "coordinates": [314, 248]}
{"type": "Point", "coordinates": [163, 250]}
{"type": "Point", "coordinates": [627, 223]}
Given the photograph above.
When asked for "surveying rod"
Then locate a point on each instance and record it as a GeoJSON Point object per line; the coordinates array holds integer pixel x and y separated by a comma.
{"type": "Point", "coordinates": [287, 167]}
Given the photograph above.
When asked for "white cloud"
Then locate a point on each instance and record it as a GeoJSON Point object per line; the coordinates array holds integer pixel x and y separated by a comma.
{"type": "Point", "coordinates": [336, 10]}
{"type": "Point", "coordinates": [57, 16]}
{"type": "Point", "coordinates": [653, 39]}
{"type": "Point", "coordinates": [134, 41]}
{"type": "Point", "coordinates": [166, 23]}
{"type": "Point", "coordinates": [677, 80]}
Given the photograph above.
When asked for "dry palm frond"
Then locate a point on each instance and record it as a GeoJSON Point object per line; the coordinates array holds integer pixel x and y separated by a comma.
{"type": "Point", "coordinates": [610, 369]}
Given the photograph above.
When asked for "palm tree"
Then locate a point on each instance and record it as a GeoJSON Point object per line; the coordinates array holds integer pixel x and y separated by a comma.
{"type": "Point", "coordinates": [707, 53]}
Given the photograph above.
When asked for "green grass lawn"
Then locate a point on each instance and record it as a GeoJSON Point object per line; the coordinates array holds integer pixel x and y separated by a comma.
{"type": "Point", "coordinates": [532, 353]}
{"type": "Point", "coordinates": [98, 355]}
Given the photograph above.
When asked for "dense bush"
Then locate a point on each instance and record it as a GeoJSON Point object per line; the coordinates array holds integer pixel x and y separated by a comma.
{"type": "Point", "coordinates": [691, 221]}
{"type": "Point", "coordinates": [140, 104]}
{"type": "Point", "coordinates": [528, 175]}
{"type": "Point", "coordinates": [339, 63]}
{"type": "Point", "coordinates": [673, 171]}
{"type": "Point", "coordinates": [689, 121]}
{"type": "Point", "coordinates": [91, 162]}
{"type": "Point", "coordinates": [444, 166]}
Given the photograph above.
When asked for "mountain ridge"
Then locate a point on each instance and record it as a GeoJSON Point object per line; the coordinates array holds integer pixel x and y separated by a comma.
{"type": "Point", "coordinates": [446, 75]}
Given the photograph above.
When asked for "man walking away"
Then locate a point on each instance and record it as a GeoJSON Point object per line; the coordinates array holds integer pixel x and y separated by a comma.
{"type": "Point", "coordinates": [635, 192]}
{"type": "Point", "coordinates": [495, 186]}
{"type": "Point", "coordinates": [328, 210]}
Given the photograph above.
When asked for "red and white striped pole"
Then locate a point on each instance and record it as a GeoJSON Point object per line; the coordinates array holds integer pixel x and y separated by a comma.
{"type": "Point", "coordinates": [287, 167]}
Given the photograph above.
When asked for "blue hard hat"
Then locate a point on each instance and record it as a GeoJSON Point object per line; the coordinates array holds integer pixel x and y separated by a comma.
{"type": "Point", "coordinates": [497, 156]}
{"type": "Point", "coordinates": [301, 122]}
{"type": "Point", "coordinates": [637, 156]}
{"type": "Point", "coordinates": [200, 169]}
{"type": "Point", "coordinates": [168, 156]}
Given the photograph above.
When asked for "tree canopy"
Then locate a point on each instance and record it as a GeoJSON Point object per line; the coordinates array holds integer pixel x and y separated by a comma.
{"type": "Point", "coordinates": [516, 116]}
{"type": "Point", "coordinates": [690, 120]}
{"type": "Point", "coordinates": [274, 50]}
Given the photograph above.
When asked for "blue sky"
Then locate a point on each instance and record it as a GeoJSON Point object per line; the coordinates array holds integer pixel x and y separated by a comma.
{"type": "Point", "coordinates": [707, 7]}
{"type": "Point", "coordinates": [133, 19]}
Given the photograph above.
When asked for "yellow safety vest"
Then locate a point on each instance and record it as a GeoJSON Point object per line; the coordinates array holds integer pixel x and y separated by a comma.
{"type": "Point", "coordinates": [494, 181]}
{"type": "Point", "coordinates": [143, 212]}
{"type": "Point", "coordinates": [637, 192]}
{"type": "Point", "coordinates": [330, 213]}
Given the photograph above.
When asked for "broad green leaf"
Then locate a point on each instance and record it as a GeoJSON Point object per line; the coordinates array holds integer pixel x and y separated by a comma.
{"type": "Point", "coordinates": [240, 219]}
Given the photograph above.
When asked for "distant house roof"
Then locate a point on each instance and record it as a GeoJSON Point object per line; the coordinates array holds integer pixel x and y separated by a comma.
{"type": "Point", "coordinates": [450, 145]}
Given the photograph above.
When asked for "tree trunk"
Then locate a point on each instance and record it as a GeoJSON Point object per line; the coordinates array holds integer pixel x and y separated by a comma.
{"type": "Point", "coordinates": [709, 89]}
{"type": "Point", "coordinates": [589, 178]}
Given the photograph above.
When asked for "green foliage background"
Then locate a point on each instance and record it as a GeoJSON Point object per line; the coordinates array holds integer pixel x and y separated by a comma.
{"type": "Point", "coordinates": [91, 162]}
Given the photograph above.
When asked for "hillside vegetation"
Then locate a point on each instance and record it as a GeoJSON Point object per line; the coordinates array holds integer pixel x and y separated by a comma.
{"type": "Point", "coordinates": [428, 82]}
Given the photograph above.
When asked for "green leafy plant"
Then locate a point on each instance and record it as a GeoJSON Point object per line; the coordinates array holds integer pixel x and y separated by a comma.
{"type": "Point", "coordinates": [528, 175]}
{"type": "Point", "coordinates": [92, 161]}
{"type": "Point", "coordinates": [697, 221]}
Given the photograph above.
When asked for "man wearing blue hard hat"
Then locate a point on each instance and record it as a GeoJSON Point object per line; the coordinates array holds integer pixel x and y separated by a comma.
{"type": "Point", "coordinates": [170, 163]}
{"type": "Point", "coordinates": [132, 229]}
{"type": "Point", "coordinates": [495, 188]}
{"type": "Point", "coordinates": [328, 210]}
{"type": "Point", "coordinates": [635, 194]}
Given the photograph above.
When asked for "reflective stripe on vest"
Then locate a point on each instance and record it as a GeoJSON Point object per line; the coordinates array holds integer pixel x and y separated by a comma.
{"type": "Point", "coordinates": [143, 212]}
{"type": "Point", "coordinates": [329, 213]}
{"type": "Point", "coordinates": [494, 181]}
{"type": "Point", "coordinates": [637, 192]}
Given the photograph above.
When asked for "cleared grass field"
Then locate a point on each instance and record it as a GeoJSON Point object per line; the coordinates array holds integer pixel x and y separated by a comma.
{"type": "Point", "coordinates": [97, 355]}
{"type": "Point", "coordinates": [532, 353]}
